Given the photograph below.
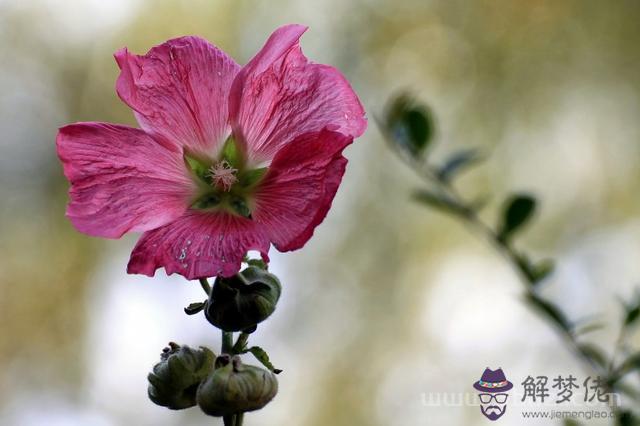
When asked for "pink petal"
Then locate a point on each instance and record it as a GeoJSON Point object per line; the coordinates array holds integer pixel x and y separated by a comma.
{"type": "Point", "coordinates": [121, 179]}
{"type": "Point", "coordinates": [179, 91]}
{"type": "Point", "coordinates": [280, 95]}
{"type": "Point", "coordinates": [298, 189]}
{"type": "Point", "coordinates": [198, 245]}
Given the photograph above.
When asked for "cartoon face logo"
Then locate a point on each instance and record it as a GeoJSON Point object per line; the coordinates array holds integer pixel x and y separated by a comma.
{"type": "Point", "coordinates": [492, 390]}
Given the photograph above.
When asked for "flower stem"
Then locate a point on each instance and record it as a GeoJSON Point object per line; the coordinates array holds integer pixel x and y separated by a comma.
{"type": "Point", "coordinates": [239, 418]}
{"type": "Point", "coordinates": [205, 286]}
{"type": "Point", "coordinates": [227, 345]}
{"type": "Point", "coordinates": [227, 342]}
{"type": "Point", "coordinates": [241, 343]}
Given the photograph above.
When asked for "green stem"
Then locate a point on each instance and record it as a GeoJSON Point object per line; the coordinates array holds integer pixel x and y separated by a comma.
{"type": "Point", "coordinates": [205, 286]}
{"type": "Point", "coordinates": [241, 343]}
{"type": "Point", "coordinates": [227, 345]}
{"type": "Point", "coordinates": [227, 342]}
{"type": "Point", "coordinates": [239, 418]}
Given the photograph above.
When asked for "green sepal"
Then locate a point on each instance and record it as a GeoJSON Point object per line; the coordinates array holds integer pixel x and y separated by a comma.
{"type": "Point", "coordinates": [197, 167]}
{"type": "Point", "coordinates": [239, 206]}
{"type": "Point", "coordinates": [250, 178]}
{"type": "Point", "coordinates": [232, 154]}
{"type": "Point", "coordinates": [207, 201]}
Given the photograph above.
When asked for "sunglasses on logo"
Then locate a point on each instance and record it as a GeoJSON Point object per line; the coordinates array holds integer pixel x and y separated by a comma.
{"type": "Point", "coordinates": [500, 398]}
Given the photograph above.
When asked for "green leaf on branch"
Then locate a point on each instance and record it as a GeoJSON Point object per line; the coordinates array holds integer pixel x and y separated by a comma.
{"type": "Point", "coordinates": [627, 418]}
{"type": "Point", "coordinates": [632, 312]}
{"type": "Point", "coordinates": [441, 202]}
{"type": "Point", "coordinates": [632, 316]}
{"type": "Point", "coordinates": [194, 308]}
{"type": "Point", "coordinates": [534, 272]}
{"type": "Point", "coordinates": [457, 163]}
{"type": "Point", "coordinates": [518, 210]}
{"type": "Point", "coordinates": [589, 328]}
{"type": "Point", "coordinates": [632, 363]}
{"type": "Point", "coordinates": [594, 353]}
{"type": "Point", "coordinates": [543, 269]}
{"type": "Point", "coordinates": [263, 357]}
{"type": "Point", "coordinates": [551, 311]}
{"type": "Point", "coordinates": [409, 124]}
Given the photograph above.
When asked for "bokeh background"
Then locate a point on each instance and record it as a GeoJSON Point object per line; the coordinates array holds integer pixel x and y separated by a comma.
{"type": "Point", "coordinates": [389, 301]}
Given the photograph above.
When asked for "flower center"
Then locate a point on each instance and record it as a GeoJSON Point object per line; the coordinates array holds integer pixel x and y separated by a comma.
{"type": "Point", "coordinates": [223, 175]}
{"type": "Point", "coordinates": [224, 182]}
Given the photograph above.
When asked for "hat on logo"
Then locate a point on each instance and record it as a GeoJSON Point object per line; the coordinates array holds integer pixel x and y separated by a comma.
{"type": "Point", "coordinates": [493, 381]}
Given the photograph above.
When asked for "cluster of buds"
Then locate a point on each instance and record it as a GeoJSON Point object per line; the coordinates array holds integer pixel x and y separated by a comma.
{"type": "Point", "coordinates": [221, 386]}
{"type": "Point", "coordinates": [185, 377]}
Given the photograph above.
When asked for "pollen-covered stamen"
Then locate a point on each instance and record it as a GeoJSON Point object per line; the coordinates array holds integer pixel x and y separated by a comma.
{"type": "Point", "coordinates": [223, 175]}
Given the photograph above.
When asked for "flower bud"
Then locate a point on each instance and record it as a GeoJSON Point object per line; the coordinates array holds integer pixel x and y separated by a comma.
{"type": "Point", "coordinates": [174, 380]}
{"type": "Point", "coordinates": [241, 302]}
{"type": "Point", "coordinates": [234, 388]}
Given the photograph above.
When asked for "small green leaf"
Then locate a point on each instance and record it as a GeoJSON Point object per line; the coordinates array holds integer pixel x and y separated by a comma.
{"type": "Point", "coordinates": [551, 311]}
{"type": "Point", "coordinates": [409, 124]}
{"type": "Point", "coordinates": [589, 328]}
{"type": "Point", "coordinates": [632, 311]}
{"type": "Point", "coordinates": [517, 212]}
{"type": "Point", "coordinates": [627, 418]}
{"type": "Point", "coordinates": [262, 356]}
{"type": "Point", "coordinates": [542, 269]}
{"type": "Point", "coordinates": [632, 363]}
{"type": "Point", "coordinates": [570, 422]}
{"type": "Point", "coordinates": [457, 163]}
{"type": "Point", "coordinates": [441, 202]}
{"type": "Point", "coordinates": [632, 316]}
{"type": "Point", "coordinates": [594, 353]}
{"type": "Point", "coordinates": [194, 308]}
{"type": "Point", "coordinates": [534, 272]}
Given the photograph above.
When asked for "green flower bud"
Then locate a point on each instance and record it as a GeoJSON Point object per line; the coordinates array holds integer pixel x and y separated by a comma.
{"type": "Point", "coordinates": [175, 379]}
{"type": "Point", "coordinates": [241, 302]}
{"type": "Point", "coordinates": [234, 388]}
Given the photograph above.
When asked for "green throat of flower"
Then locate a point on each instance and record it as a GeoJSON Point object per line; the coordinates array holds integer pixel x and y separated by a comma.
{"type": "Point", "coordinates": [224, 183]}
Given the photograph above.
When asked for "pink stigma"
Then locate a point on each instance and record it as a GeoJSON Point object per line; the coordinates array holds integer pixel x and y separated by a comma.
{"type": "Point", "coordinates": [223, 175]}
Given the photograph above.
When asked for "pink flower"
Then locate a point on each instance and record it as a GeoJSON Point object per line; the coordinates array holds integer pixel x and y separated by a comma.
{"type": "Point", "coordinates": [228, 159]}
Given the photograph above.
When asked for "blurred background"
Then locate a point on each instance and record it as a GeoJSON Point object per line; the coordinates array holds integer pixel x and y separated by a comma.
{"type": "Point", "coordinates": [390, 301]}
